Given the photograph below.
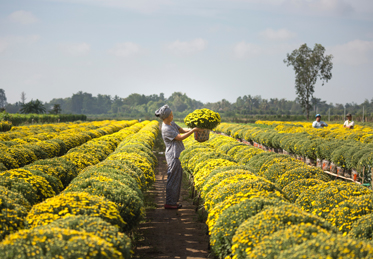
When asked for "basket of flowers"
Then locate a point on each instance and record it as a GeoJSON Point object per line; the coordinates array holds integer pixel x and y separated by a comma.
{"type": "Point", "coordinates": [203, 119]}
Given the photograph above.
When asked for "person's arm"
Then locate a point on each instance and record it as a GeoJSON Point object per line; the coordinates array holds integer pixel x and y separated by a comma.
{"type": "Point", "coordinates": [184, 136]}
{"type": "Point", "coordinates": [324, 124]}
{"type": "Point", "coordinates": [181, 130]}
{"type": "Point", "coordinates": [350, 126]}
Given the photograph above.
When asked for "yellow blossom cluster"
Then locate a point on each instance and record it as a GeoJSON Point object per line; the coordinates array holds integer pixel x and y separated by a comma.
{"type": "Point", "coordinates": [111, 189]}
{"type": "Point", "coordinates": [24, 145]}
{"type": "Point", "coordinates": [57, 243]}
{"type": "Point", "coordinates": [5, 126]}
{"type": "Point", "coordinates": [203, 118]}
{"type": "Point", "coordinates": [348, 149]}
{"type": "Point", "coordinates": [249, 206]}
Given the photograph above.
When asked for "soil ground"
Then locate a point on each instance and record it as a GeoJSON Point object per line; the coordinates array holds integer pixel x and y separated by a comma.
{"type": "Point", "coordinates": [170, 233]}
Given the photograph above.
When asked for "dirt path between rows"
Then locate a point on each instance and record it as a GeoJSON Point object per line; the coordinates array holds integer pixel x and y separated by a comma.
{"type": "Point", "coordinates": [171, 233]}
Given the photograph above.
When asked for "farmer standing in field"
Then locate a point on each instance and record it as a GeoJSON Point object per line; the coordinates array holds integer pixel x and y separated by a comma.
{"type": "Point", "coordinates": [318, 124]}
{"type": "Point", "coordinates": [349, 123]}
{"type": "Point", "coordinates": [174, 146]}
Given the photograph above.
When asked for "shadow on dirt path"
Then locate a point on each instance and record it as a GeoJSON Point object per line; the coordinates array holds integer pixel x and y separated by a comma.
{"type": "Point", "coordinates": [171, 233]}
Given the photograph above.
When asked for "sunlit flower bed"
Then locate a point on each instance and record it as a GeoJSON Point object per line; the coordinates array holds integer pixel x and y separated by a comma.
{"type": "Point", "coordinates": [263, 204]}
{"type": "Point", "coordinates": [102, 201]}
{"type": "Point", "coordinates": [26, 144]}
{"type": "Point", "coordinates": [351, 150]}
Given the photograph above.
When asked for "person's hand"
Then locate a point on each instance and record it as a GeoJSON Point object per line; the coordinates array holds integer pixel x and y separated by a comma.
{"type": "Point", "coordinates": [197, 129]}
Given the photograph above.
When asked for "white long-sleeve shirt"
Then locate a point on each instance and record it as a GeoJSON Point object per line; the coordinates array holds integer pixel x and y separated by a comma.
{"type": "Point", "coordinates": [317, 124]}
{"type": "Point", "coordinates": [349, 123]}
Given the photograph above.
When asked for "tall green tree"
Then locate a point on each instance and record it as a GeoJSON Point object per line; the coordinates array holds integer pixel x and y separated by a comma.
{"type": "Point", "coordinates": [33, 107]}
{"type": "Point", "coordinates": [2, 98]}
{"type": "Point", "coordinates": [56, 109]}
{"type": "Point", "coordinates": [309, 65]}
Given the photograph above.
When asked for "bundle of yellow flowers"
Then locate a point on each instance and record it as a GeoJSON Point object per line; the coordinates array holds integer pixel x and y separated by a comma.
{"type": "Point", "coordinates": [203, 118]}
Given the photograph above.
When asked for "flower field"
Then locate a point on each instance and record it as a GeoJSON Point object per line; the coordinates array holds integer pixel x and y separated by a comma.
{"type": "Point", "coordinates": [26, 144]}
{"type": "Point", "coordinates": [81, 202]}
{"type": "Point", "coordinates": [348, 153]}
{"type": "Point", "coordinates": [17, 119]}
{"type": "Point", "coordinates": [5, 126]}
{"type": "Point", "coordinates": [272, 205]}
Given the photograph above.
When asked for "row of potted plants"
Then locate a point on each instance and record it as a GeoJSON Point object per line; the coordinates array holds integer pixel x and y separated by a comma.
{"type": "Point", "coordinates": [254, 198]}
{"type": "Point", "coordinates": [347, 158]}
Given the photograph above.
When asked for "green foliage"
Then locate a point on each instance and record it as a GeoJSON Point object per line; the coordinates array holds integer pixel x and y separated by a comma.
{"type": "Point", "coordinates": [18, 119]}
{"type": "Point", "coordinates": [33, 107]}
{"type": "Point", "coordinates": [309, 65]}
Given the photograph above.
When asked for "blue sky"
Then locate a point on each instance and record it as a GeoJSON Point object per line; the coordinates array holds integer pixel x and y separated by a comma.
{"type": "Point", "coordinates": [208, 49]}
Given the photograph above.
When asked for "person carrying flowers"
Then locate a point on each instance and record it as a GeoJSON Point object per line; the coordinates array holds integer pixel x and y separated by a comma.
{"type": "Point", "coordinates": [174, 146]}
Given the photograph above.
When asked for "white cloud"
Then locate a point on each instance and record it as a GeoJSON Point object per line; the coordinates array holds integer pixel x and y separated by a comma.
{"type": "Point", "coordinates": [33, 80]}
{"type": "Point", "coordinates": [339, 7]}
{"type": "Point", "coordinates": [243, 49]}
{"type": "Point", "coordinates": [357, 52]}
{"type": "Point", "coordinates": [3, 45]}
{"type": "Point", "coordinates": [22, 17]}
{"type": "Point", "coordinates": [246, 50]}
{"type": "Point", "coordinates": [182, 48]}
{"type": "Point", "coordinates": [12, 41]}
{"type": "Point", "coordinates": [281, 34]}
{"type": "Point", "coordinates": [125, 49]}
{"type": "Point", "coordinates": [145, 6]}
{"type": "Point", "coordinates": [76, 49]}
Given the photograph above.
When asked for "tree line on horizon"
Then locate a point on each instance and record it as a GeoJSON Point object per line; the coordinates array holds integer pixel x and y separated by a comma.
{"type": "Point", "coordinates": [309, 65]}
{"type": "Point", "coordinates": [140, 105]}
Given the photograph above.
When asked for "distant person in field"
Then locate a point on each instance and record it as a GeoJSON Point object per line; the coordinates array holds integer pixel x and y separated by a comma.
{"type": "Point", "coordinates": [174, 145]}
{"type": "Point", "coordinates": [318, 124]}
{"type": "Point", "coordinates": [349, 123]}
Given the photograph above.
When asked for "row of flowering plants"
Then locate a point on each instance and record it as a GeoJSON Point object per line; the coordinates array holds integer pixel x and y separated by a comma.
{"type": "Point", "coordinates": [5, 126]}
{"type": "Point", "coordinates": [349, 153]}
{"type": "Point", "coordinates": [46, 178]}
{"type": "Point", "coordinates": [25, 145]}
{"type": "Point", "coordinates": [267, 205]}
{"type": "Point", "coordinates": [17, 118]}
{"type": "Point", "coordinates": [102, 201]}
